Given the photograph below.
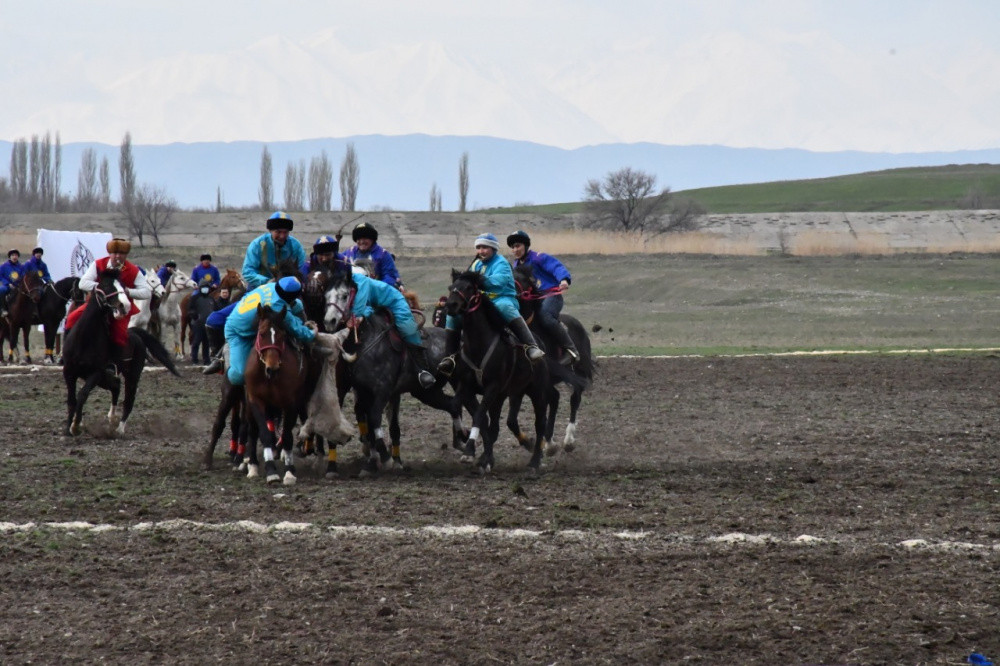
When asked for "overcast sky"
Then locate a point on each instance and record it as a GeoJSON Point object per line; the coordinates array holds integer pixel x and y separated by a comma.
{"type": "Point", "coordinates": [878, 75]}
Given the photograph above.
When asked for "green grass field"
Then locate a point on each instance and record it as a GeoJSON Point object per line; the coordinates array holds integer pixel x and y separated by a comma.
{"type": "Point", "coordinates": [696, 304]}
{"type": "Point", "coordinates": [913, 189]}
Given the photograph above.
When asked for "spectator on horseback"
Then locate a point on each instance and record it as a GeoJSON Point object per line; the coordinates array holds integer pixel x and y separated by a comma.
{"type": "Point", "coordinates": [499, 282]}
{"type": "Point", "coordinates": [205, 268]}
{"type": "Point", "coordinates": [267, 251]}
{"type": "Point", "coordinates": [325, 254]}
{"type": "Point", "coordinates": [36, 264]}
{"type": "Point", "coordinates": [11, 273]}
{"type": "Point", "coordinates": [241, 325]}
{"type": "Point", "coordinates": [370, 294]}
{"type": "Point", "coordinates": [134, 284]}
{"type": "Point", "coordinates": [166, 270]}
{"type": "Point", "coordinates": [366, 246]}
{"type": "Point", "coordinates": [552, 279]}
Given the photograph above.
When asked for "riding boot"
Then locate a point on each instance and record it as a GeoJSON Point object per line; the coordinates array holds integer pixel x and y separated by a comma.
{"type": "Point", "coordinates": [418, 354]}
{"type": "Point", "coordinates": [219, 362]}
{"type": "Point", "coordinates": [570, 354]}
{"type": "Point", "coordinates": [216, 338]}
{"type": "Point", "coordinates": [452, 339]}
{"type": "Point", "coordinates": [523, 333]}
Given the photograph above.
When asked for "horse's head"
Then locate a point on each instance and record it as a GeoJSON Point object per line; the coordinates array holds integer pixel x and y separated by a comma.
{"type": "Point", "coordinates": [179, 281]}
{"type": "Point", "coordinates": [110, 295]}
{"type": "Point", "coordinates": [155, 286]}
{"type": "Point", "coordinates": [234, 282]}
{"type": "Point", "coordinates": [339, 300]}
{"type": "Point", "coordinates": [465, 292]}
{"type": "Point", "coordinates": [32, 286]}
{"type": "Point", "coordinates": [527, 289]}
{"type": "Point", "coordinates": [270, 342]}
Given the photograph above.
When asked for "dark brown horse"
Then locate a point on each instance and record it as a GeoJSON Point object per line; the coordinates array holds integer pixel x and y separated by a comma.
{"type": "Point", "coordinates": [279, 379]}
{"type": "Point", "coordinates": [232, 281]}
{"type": "Point", "coordinates": [23, 312]}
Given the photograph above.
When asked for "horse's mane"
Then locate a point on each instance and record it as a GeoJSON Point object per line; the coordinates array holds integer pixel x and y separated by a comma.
{"type": "Point", "coordinates": [287, 267]}
{"type": "Point", "coordinates": [493, 315]}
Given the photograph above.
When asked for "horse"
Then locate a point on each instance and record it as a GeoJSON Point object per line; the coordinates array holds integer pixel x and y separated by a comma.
{"type": "Point", "coordinates": [146, 307]}
{"type": "Point", "coordinates": [52, 310]}
{"type": "Point", "coordinates": [87, 349]}
{"type": "Point", "coordinates": [176, 288]}
{"type": "Point", "coordinates": [232, 281]}
{"type": "Point", "coordinates": [278, 383]}
{"type": "Point", "coordinates": [380, 375]}
{"type": "Point", "coordinates": [500, 370]}
{"type": "Point", "coordinates": [578, 376]}
{"type": "Point", "coordinates": [23, 312]}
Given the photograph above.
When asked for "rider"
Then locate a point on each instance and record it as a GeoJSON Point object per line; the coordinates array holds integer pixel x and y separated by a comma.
{"type": "Point", "coordinates": [373, 293]}
{"type": "Point", "coordinates": [270, 249]}
{"type": "Point", "coordinates": [499, 287]}
{"type": "Point", "coordinates": [36, 264]}
{"type": "Point", "coordinates": [325, 254]}
{"type": "Point", "coordinates": [241, 326]}
{"type": "Point", "coordinates": [552, 279]}
{"type": "Point", "coordinates": [366, 246]}
{"type": "Point", "coordinates": [11, 273]}
{"type": "Point", "coordinates": [206, 268]}
{"type": "Point", "coordinates": [166, 270]}
{"type": "Point", "coordinates": [136, 289]}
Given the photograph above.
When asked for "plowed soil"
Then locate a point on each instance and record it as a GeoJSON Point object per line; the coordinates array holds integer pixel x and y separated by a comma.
{"type": "Point", "coordinates": [767, 510]}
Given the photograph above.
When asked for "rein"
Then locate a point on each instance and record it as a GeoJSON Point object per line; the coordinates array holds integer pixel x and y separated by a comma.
{"type": "Point", "coordinates": [261, 347]}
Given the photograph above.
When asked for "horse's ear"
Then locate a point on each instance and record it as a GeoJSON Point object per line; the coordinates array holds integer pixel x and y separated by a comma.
{"type": "Point", "coordinates": [260, 309]}
{"type": "Point", "coordinates": [454, 275]}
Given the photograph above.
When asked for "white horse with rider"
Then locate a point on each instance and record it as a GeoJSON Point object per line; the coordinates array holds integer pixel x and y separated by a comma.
{"type": "Point", "coordinates": [176, 288]}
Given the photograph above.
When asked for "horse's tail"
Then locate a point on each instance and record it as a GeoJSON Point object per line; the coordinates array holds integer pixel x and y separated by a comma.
{"type": "Point", "coordinates": [156, 348]}
{"type": "Point", "coordinates": [575, 380]}
{"type": "Point", "coordinates": [586, 366]}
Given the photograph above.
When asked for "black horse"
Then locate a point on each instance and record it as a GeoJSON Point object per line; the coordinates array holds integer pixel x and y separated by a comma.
{"type": "Point", "coordinates": [381, 373]}
{"type": "Point", "coordinates": [52, 310]}
{"type": "Point", "coordinates": [87, 352]}
{"type": "Point", "coordinates": [499, 368]}
{"type": "Point", "coordinates": [578, 376]}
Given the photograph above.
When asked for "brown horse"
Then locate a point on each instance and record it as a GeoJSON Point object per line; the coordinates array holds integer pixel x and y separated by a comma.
{"type": "Point", "coordinates": [232, 281]}
{"type": "Point", "coordinates": [23, 312]}
{"type": "Point", "coordinates": [278, 382]}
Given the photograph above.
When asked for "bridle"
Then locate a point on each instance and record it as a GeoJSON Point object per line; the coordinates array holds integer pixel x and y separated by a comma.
{"type": "Point", "coordinates": [261, 346]}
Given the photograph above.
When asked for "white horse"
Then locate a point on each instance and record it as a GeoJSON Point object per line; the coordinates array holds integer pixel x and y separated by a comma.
{"type": "Point", "coordinates": [178, 286]}
{"type": "Point", "coordinates": [141, 319]}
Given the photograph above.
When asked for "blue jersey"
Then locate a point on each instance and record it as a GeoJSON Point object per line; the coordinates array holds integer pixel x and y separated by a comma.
{"type": "Point", "coordinates": [548, 270]}
{"type": "Point", "coordinates": [199, 273]}
{"type": "Point", "coordinates": [242, 322]}
{"type": "Point", "coordinates": [498, 285]}
{"type": "Point", "coordinates": [375, 293]}
{"type": "Point", "coordinates": [262, 259]}
{"type": "Point", "coordinates": [39, 267]}
{"type": "Point", "coordinates": [11, 273]}
{"type": "Point", "coordinates": [385, 265]}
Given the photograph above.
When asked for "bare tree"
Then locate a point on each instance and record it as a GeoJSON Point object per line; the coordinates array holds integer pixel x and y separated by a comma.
{"type": "Point", "coordinates": [34, 171]}
{"type": "Point", "coordinates": [86, 188]}
{"type": "Point", "coordinates": [295, 179]}
{"type": "Point", "coordinates": [105, 179]}
{"type": "Point", "coordinates": [350, 174]}
{"type": "Point", "coordinates": [19, 170]}
{"type": "Point", "coordinates": [126, 173]}
{"type": "Point", "coordinates": [154, 211]}
{"type": "Point", "coordinates": [45, 173]}
{"type": "Point", "coordinates": [435, 198]}
{"type": "Point", "coordinates": [463, 182]}
{"type": "Point", "coordinates": [628, 199]}
{"type": "Point", "coordinates": [320, 183]}
{"type": "Point", "coordinates": [57, 173]}
{"type": "Point", "coordinates": [266, 180]}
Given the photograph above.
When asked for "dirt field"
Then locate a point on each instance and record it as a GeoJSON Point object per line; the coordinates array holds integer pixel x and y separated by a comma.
{"type": "Point", "coordinates": [716, 510]}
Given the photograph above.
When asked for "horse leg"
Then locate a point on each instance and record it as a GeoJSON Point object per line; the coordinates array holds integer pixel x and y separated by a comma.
{"type": "Point", "coordinates": [76, 417]}
{"type": "Point", "coordinates": [513, 409]}
{"type": "Point", "coordinates": [490, 434]}
{"type": "Point", "coordinates": [71, 403]}
{"type": "Point", "coordinates": [378, 454]}
{"type": "Point", "coordinates": [569, 441]}
{"type": "Point", "coordinates": [49, 332]}
{"type": "Point", "coordinates": [262, 429]}
{"type": "Point", "coordinates": [552, 408]}
{"type": "Point", "coordinates": [394, 433]}
{"type": "Point", "coordinates": [287, 421]}
{"type": "Point", "coordinates": [539, 402]}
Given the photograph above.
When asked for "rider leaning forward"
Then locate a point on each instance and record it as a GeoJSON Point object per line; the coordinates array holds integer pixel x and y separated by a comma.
{"type": "Point", "coordinates": [498, 286]}
{"type": "Point", "coordinates": [551, 280]}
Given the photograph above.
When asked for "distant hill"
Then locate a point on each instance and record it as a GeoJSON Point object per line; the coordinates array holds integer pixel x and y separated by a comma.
{"type": "Point", "coordinates": [397, 172]}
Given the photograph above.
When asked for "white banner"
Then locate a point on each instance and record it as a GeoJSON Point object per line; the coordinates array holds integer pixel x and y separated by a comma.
{"type": "Point", "coordinates": [70, 253]}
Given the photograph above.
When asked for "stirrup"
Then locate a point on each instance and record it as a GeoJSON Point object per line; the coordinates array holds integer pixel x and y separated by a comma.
{"type": "Point", "coordinates": [534, 353]}
{"type": "Point", "coordinates": [570, 356]}
{"type": "Point", "coordinates": [447, 365]}
{"type": "Point", "coordinates": [426, 379]}
{"type": "Point", "coordinates": [214, 367]}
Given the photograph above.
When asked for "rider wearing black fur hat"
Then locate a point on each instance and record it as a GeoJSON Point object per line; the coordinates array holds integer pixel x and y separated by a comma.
{"type": "Point", "coordinates": [366, 246]}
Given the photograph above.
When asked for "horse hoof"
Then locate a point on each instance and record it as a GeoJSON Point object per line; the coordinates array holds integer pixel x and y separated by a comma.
{"type": "Point", "coordinates": [527, 443]}
{"type": "Point", "coordinates": [252, 471]}
{"type": "Point", "coordinates": [568, 447]}
{"type": "Point", "coordinates": [288, 480]}
{"type": "Point", "coordinates": [551, 450]}
{"type": "Point", "coordinates": [273, 479]}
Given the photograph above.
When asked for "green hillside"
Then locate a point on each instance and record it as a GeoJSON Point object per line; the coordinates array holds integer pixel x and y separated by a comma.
{"type": "Point", "coordinates": [949, 187]}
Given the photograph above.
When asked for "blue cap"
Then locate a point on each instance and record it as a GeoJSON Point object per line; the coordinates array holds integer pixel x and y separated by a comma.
{"type": "Point", "coordinates": [290, 285]}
